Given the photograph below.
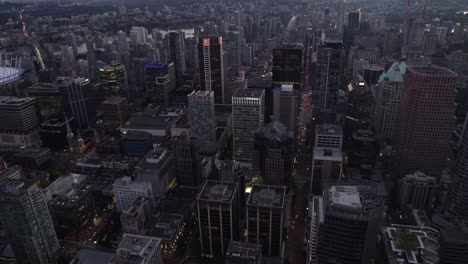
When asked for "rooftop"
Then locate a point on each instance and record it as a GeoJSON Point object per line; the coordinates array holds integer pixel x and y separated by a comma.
{"type": "Point", "coordinates": [114, 100]}
{"type": "Point", "coordinates": [166, 226]}
{"type": "Point", "coordinates": [249, 93]}
{"type": "Point", "coordinates": [274, 130]}
{"type": "Point", "coordinates": [328, 154]}
{"type": "Point", "coordinates": [218, 191]}
{"type": "Point", "coordinates": [431, 70]}
{"type": "Point", "coordinates": [155, 160]}
{"type": "Point", "coordinates": [329, 129]}
{"type": "Point", "coordinates": [149, 121]}
{"type": "Point", "coordinates": [243, 251]}
{"type": "Point", "coordinates": [267, 196]}
{"type": "Point", "coordinates": [136, 135]}
{"type": "Point", "coordinates": [395, 73]}
{"type": "Point", "coordinates": [361, 196]}
{"type": "Point", "coordinates": [155, 65]}
{"type": "Point", "coordinates": [410, 244]}
{"type": "Point", "coordinates": [10, 100]}
{"type": "Point", "coordinates": [419, 176]}
{"type": "Point", "coordinates": [90, 256]}
{"type": "Point", "coordinates": [65, 186]}
{"type": "Point", "coordinates": [126, 182]}
{"type": "Point", "coordinates": [135, 249]}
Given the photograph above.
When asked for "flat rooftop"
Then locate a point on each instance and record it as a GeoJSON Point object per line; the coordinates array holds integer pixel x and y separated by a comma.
{"type": "Point", "coordinates": [166, 226]}
{"type": "Point", "coordinates": [90, 256]}
{"type": "Point", "coordinates": [65, 185]}
{"type": "Point", "coordinates": [218, 191]}
{"type": "Point", "coordinates": [155, 160]}
{"type": "Point", "coordinates": [404, 243]}
{"type": "Point", "coordinates": [329, 129]}
{"type": "Point", "coordinates": [10, 100]}
{"type": "Point", "coordinates": [126, 182]}
{"type": "Point", "coordinates": [362, 197]}
{"type": "Point", "coordinates": [249, 93]}
{"type": "Point", "coordinates": [136, 135]}
{"type": "Point", "coordinates": [114, 100]}
{"type": "Point", "coordinates": [134, 249]}
{"type": "Point", "coordinates": [431, 70]}
{"type": "Point", "coordinates": [267, 196]}
{"type": "Point", "coordinates": [328, 154]}
{"type": "Point", "coordinates": [243, 251]}
{"type": "Point", "coordinates": [149, 121]}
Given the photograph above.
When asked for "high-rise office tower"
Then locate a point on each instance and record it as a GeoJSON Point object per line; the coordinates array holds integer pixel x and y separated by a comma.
{"type": "Point", "coordinates": [83, 69]}
{"type": "Point", "coordinates": [247, 117]}
{"type": "Point", "coordinates": [68, 57]}
{"type": "Point", "coordinates": [426, 119]}
{"type": "Point", "coordinates": [138, 249]}
{"type": "Point", "coordinates": [416, 34]}
{"type": "Point", "coordinates": [266, 207]}
{"type": "Point", "coordinates": [287, 72]}
{"type": "Point", "coordinates": [175, 43]}
{"type": "Point", "coordinates": [371, 74]}
{"type": "Point", "coordinates": [330, 63]}
{"type": "Point", "coordinates": [387, 100]}
{"type": "Point", "coordinates": [160, 82]}
{"type": "Point", "coordinates": [126, 191]}
{"type": "Point", "coordinates": [138, 35]}
{"type": "Point", "coordinates": [328, 136]}
{"type": "Point", "coordinates": [349, 224]}
{"type": "Point", "coordinates": [114, 76]}
{"type": "Point", "coordinates": [26, 219]}
{"type": "Point", "coordinates": [341, 16]}
{"type": "Point", "coordinates": [273, 157]}
{"type": "Point", "coordinates": [354, 20]}
{"type": "Point", "coordinates": [187, 161]}
{"type": "Point", "coordinates": [327, 159]}
{"type": "Point", "coordinates": [79, 100]}
{"type": "Point", "coordinates": [115, 110]}
{"type": "Point", "coordinates": [441, 34]}
{"type": "Point", "coordinates": [392, 42]}
{"type": "Point", "coordinates": [417, 190]}
{"type": "Point", "coordinates": [49, 98]}
{"type": "Point", "coordinates": [202, 120]}
{"type": "Point", "coordinates": [286, 106]}
{"type": "Point", "coordinates": [457, 197]}
{"type": "Point", "coordinates": [429, 44]}
{"type": "Point", "coordinates": [122, 41]}
{"type": "Point", "coordinates": [70, 38]}
{"type": "Point", "coordinates": [218, 216]}
{"type": "Point", "coordinates": [232, 47]}
{"type": "Point", "coordinates": [210, 58]}
{"type": "Point", "coordinates": [19, 119]}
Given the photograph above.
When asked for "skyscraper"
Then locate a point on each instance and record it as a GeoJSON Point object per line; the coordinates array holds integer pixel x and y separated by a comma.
{"type": "Point", "coordinates": [247, 117]}
{"type": "Point", "coordinates": [79, 99]}
{"type": "Point", "coordinates": [341, 16]}
{"type": "Point", "coordinates": [265, 214]}
{"type": "Point", "coordinates": [27, 221]}
{"type": "Point", "coordinates": [218, 216]}
{"type": "Point", "coordinates": [417, 190]}
{"type": "Point", "coordinates": [286, 106]}
{"type": "Point", "coordinates": [202, 120]}
{"type": "Point", "coordinates": [138, 35]}
{"type": "Point", "coordinates": [273, 158]}
{"type": "Point", "coordinates": [187, 161]}
{"type": "Point", "coordinates": [175, 43]}
{"type": "Point", "coordinates": [160, 82]}
{"type": "Point", "coordinates": [457, 197]}
{"type": "Point", "coordinates": [115, 110]}
{"type": "Point", "coordinates": [387, 99]}
{"type": "Point", "coordinates": [330, 62]}
{"type": "Point", "coordinates": [349, 226]}
{"type": "Point", "coordinates": [354, 20]}
{"type": "Point", "coordinates": [426, 119]}
{"type": "Point", "coordinates": [287, 76]}
{"type": "Point", "coordinates": [20, 120]}
{"type": "Point", "coordinates": [210, 57]}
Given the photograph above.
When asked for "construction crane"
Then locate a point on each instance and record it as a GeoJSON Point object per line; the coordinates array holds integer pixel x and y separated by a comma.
{"type": "Point", "coordinates": [33, 42]}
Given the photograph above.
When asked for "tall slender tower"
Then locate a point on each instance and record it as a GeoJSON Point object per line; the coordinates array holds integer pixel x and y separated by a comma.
{"type": "Point", "coordinates": [426, 119]}
{"type": "Point", "coordinates": [28, 222]}
{"type": "Point", "coordinates": [341, 15]}
{"type": "Point", "coordinates": [210, 57]}
{"type": "Point", "coordinates": [457, 198]}
{"type": "Point", "coordinates": [202, 120]}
